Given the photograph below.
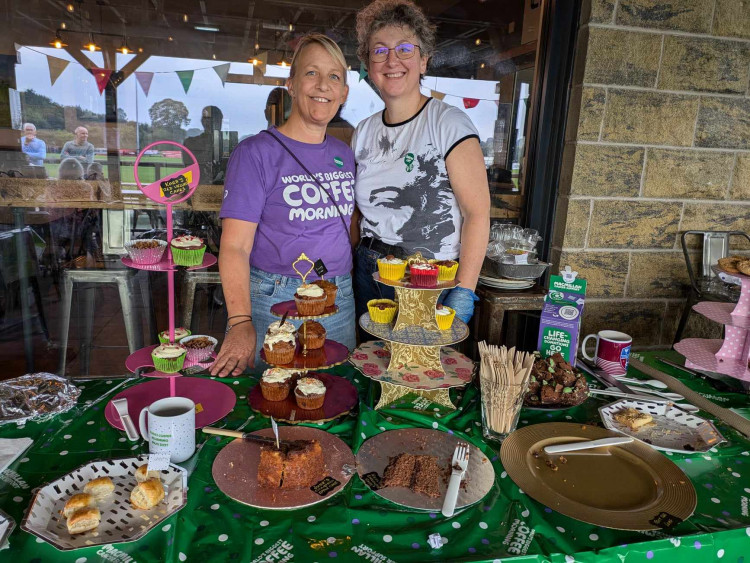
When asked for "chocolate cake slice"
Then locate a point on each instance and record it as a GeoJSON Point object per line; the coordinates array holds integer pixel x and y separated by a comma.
{"type": "Point", "coordinates": [426, 476]}
{"type": "Point", "coordinates": [303, 465]}
{"type": "Point", "coordinates": [399, 471]}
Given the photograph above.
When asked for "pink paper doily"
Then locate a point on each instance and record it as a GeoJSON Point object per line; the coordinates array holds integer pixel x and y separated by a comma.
{"type": "Point", "coordinates": [371, 358]}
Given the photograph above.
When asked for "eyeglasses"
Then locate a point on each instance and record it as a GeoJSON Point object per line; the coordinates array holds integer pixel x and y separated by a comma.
{"type": "Point", "coordinates": [403, 51]}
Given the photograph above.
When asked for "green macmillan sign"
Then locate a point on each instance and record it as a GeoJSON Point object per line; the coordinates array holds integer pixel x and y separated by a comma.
{"type": "Point", "coordinates": [174, 186]}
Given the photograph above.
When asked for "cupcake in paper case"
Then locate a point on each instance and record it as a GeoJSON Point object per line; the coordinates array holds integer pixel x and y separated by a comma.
{"type": "Point", "coordinates": [382, 310]}
{"type": "Point", "coordinates": [146, 251]}
{"type": "Point", "coordinates": [423, 275]}
{"type": "Point", "coordinates": [310, 393]}
{"type": "Point", "coordinates": [179, 333]}
{"type": "Point", "coordinates": [188, 250]}
{"type": "Point", "coordinates": [310, 300]}
{"type": "Point", "coordinates": [199, 347]}
{"type": "Point", "coordinates": [444, 317]}
{"type": "Point", "coordinates": [279, 348]}
{"type": "Point", "coordinates": [311, 335]}
{"type": "Point", "coordinates": [168, 358]}
{"type": "Point", "coordinates": [330, 288]}
{"type": "Point", "coordinates": [391, 268]}
{"type": "Point", "coordinates": [446, 269]}
{"type": "Point", "coordinates": [276, 383]}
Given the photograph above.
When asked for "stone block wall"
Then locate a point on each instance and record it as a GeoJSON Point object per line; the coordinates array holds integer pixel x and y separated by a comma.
{"type": "Point", "coordinates": [657, 143]}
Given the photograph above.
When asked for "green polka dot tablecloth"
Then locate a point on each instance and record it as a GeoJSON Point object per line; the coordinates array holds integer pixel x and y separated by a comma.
{"type": "Point", "coordinates": [356, 524]}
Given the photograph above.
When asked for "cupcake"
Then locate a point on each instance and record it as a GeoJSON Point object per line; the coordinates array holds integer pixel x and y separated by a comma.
{"type": "Point", "coordinates": [279, 348]}
{"type": "Point", "coordinates": [198, 347]}
{"type": "Point", "coordinates": [391, 268]}
{"type": "Point", "coordinates": [310, 300]}
{"type": "Point", "coordinates": [330, 288]}
{"type": "Point", "coordinates": [188, 250]}
{"type": "Point", "coordinates": [424, 275]}
{"type": "Point", "coordinates": [310, 393]}
{"type": "Point", "coordinates": [276, 383]}
{"type": "Point", "coordinates": [168, 358]}
{"type": "Point", "coordinates": [311, 335]}
{"type": "Point", "coordinates": [446, 269]}
{"type": "Point", "coordinates": [277, 328]}
{"type": "Point", "coordinates": [444, 317]}
{"type": "Point", "coordinates": [179, 333]}
{"type": "Point", "coordinates": [146, 251]}
{"type": "Point", "coordinates": [382, 310]}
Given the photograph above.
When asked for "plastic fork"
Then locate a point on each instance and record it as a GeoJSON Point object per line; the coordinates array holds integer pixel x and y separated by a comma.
{"type": "Point", "coordinates": [459, 463]}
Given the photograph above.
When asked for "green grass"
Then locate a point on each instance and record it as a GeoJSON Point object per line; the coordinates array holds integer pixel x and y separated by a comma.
{"type": "Point", "coordinates": [146, 173]}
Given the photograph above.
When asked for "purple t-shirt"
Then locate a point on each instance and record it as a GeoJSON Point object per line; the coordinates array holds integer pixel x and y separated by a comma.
{"type": "Point", "coordinates": [265, 185]}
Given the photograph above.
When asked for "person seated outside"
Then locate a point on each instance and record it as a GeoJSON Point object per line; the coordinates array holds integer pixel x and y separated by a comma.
{"type": "Point", "coordinates": [79, 148]}
{"type": "Point", "coordinates": [207, 147]}
{"type": "Point", "coordinates": [34, 148]}
{"type": "Point", "coordinates": [70, 169]}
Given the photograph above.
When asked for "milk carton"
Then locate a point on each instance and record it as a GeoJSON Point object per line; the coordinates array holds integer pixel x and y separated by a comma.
{"type": "Point", "coordinates": [561, 316]}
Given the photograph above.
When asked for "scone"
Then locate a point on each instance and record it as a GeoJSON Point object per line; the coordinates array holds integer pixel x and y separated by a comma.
{"type": "Point", "coordinates": [142, 474]}
{"type": "Point", "coordinates": [147, 494]}
{"type": "Point", "coordinates": [84, 520]}
{"type": "Point", "coordinates": [99, 488]}
{"type": "Point", "coordinates": [633, 418]}
{"type": "Point", "coordinates": [77, 502]}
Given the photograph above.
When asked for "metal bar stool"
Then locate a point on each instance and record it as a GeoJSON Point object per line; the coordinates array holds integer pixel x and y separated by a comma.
{"type": "Point", "coordinates": [190, 282]}
{"type": "Point", "coordinates": [125, 280]}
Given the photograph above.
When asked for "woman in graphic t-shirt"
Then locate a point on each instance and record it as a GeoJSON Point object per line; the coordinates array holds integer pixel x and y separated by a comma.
{"type": "Point", "coordinates": [273, 210]}
{"type": "Point", "coordinates": [421, 180]}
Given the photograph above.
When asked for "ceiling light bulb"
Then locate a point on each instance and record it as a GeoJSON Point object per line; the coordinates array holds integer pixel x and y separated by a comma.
{"type": "Point", "coordinates": [70, 7]}
{"type": "Point", "coordinates": [185, 18]}
{"type": "Point", "coordinates": [283, 63]}
{"type": "Point", "coordinates": [291, 27]}
{"type": "Point", "coordinates": [481, 65]}
{"type": "Point", "coordinates": [170, 38]}
{"type": "Point", "coordinates": [257, 46]}
{"type": "Point", "coordinates": [63, 25]}
{"type": "Point", "coordinates": [478, 41]}
{"type": "Point", "coordinates": [140, 49]}
{"type": "Point", "coordinates": [213, 56]}
{"type": "Point", "coordinates": [92, 47]}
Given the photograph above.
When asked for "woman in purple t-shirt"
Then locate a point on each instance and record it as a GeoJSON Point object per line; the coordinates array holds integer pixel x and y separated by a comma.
{"type": "Point", "coordinates": [273, 210]}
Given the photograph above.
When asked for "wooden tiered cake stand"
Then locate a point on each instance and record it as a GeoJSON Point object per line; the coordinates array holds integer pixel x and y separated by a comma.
{"type": "Point", "coordinates": [410, 357]}
{"type": "Point", "coordinates": [731, 355]}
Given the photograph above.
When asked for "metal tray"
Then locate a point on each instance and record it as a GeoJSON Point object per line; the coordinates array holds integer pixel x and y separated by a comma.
{"type": "Point", "coordinates": [120, 521]}
{"type": "Point", "coordinates": [514, 271]}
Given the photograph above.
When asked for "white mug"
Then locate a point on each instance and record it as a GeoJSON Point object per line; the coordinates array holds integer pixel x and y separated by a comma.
{"type": "Point", "coordinates": [171, 427]}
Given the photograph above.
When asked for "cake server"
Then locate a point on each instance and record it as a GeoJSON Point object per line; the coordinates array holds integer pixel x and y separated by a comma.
{"type": "Point", "coordinates": [459, 463]}
{"type": "Point", "coordinates": [244, 435]}
{"type": "Point", "coordinates": [121, 406]}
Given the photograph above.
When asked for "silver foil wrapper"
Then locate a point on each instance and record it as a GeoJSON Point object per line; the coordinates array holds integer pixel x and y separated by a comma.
{"type": "Point", "coordinates": [35, 396]}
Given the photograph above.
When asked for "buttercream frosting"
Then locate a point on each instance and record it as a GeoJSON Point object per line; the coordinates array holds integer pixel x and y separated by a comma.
{"type": "Point", "coordinates": [310, 290]}
{"type": "Point", "coordinates": [179, 333]}
{"type": "Point", "coordinates": [272, 339]}
{"type": "Point", "coordinates": [187, 241]}
{"type": "Point", "coordinates": [168, 351]}
{"type": "Point", "coordinates": [276, 326]}
{"type": "Point", "coordinates": [277, 375]}
{"type": "Point", "coordinates": [444, 312]}
{"type": "Point", "coordinates": [391, 261]}
{"type": "Point", "coordinates": [310, 386]}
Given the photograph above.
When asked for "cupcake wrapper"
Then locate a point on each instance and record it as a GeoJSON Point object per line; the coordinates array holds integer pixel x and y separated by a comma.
{"type": "Point", "coordinates": [274, 393]}
{"type": "Point", "coordinates": [146, 255]}
{"type": "Point", "coordinates": [424, 278]}
{"type": "Point", "coordinates": [310, 307]}
{"type": "Point", "coordinates": [188, 257]}
{"type": "Point", "coordinates": [194, 355]}
{"type": "Point", "coordinates": [165, 339]}
{"type": "Point", "coordinates": [381, 316]}
{"type": "Point", "coordinates": [331, 297]}
{"type": "Point", "coordinates": [168, 365]}
{"type": "Point", "coordinates": [444, 322]}
{"type": "Point", "coordinates": [391, 271]}
{"type": "Point", "coordinates": [279, 357]}
{"type": "Point", "coordinates": [313, 343]}
{"type": "Point", "coordinates": [309, 402]}
{"type": "Point", "coordinates": [447, 274]}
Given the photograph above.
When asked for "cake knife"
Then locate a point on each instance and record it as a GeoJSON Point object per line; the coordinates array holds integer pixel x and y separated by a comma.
{"type": "Point", "coordinates": [247, 436]}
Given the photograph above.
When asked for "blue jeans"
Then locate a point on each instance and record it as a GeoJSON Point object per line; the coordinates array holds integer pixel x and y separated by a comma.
{"type": "Point", "coordinates": [366, 288]}
{"type": "Point", "coordinates": [267, 289]}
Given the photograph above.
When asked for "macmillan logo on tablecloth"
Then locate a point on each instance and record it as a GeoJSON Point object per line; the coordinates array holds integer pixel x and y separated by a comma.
{"type": "Point", "coordinates": [13, 479]}
{"type": "Point", "coordinates": [366, 552]}
{"type": "Point", "coordinates": [109, 553]}
{"type": "Point", "coordinates": [519, 537]}
{"type": "Point", "coordinates": [278, 552]}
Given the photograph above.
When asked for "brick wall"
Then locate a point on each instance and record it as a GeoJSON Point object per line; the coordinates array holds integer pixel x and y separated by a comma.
{"type": "Point", "coordinates": [658, 142]}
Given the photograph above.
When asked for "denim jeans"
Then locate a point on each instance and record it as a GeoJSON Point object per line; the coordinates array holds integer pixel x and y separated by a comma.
{"type": "Point", "coordinates": [267, 289]}
{"type": "Point", "coordinates": [366, 288]}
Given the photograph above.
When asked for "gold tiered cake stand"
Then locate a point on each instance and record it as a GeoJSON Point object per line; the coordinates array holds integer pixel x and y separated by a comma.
{"type": "Point", "coordinates": [410, 357]}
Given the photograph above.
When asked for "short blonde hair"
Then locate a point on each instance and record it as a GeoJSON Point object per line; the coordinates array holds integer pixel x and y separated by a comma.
{"type": "Point", "coordinates": [324, 41]}
{"type": "Point", "coordinates": [401, 13]}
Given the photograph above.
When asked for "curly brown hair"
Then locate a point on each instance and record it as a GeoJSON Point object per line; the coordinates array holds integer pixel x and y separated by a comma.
{"type": "Point", "coordinates": [402, 13]}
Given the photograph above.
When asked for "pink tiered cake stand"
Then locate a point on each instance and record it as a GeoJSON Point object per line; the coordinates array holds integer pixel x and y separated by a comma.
{"type": "Point", "coordinates": [213, 399]}
{"type": "Point", "coordinates": [729, 356]}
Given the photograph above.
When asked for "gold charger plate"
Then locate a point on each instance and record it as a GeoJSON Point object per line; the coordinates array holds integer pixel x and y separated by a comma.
{"type": "Point", "coordinates": [628, 487]}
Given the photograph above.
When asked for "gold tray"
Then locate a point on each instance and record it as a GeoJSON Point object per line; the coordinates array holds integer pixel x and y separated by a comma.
{"type": "Point", "coordinates": [628, 487]}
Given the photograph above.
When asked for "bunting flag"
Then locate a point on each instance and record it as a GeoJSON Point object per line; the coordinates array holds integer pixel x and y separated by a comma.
{"type": "Point", "coordinates": [101, 75]}
{"type": "Point", "coordinates": [437, 95]}
{"type": "Point", "coordinates": [186, 78]}
{"type": "Point", "coordinates": [222, 71]}
{"type": "Point", "coordinates": [144, 79]}
{"type": "Point", "coordinates": [56, 67]}
{"type": "Point", "coordinates": [362, 72]}
{"type": "Point", "coordinates": [470, 102]}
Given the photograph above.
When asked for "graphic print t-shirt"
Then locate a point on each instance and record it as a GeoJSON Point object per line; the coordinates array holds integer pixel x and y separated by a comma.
{"type": "Point", "coordinates": [403, 190]}
{"type": "Point", "coordinates": [265, 185]}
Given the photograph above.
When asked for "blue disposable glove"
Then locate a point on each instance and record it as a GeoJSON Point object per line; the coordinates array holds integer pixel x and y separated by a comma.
{"type": "Point", "coordinates": [462, 301]}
